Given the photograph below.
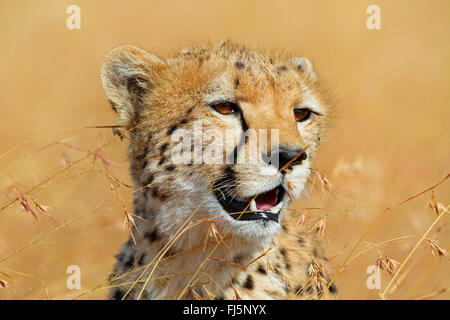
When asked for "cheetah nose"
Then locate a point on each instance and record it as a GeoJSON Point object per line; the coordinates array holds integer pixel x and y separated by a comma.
{"type": "Point", "coordinates": [285, 155]}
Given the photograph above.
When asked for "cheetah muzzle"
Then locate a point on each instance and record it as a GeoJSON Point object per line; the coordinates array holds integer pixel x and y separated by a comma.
{"type": "Point", "coordinates": [265, 206]}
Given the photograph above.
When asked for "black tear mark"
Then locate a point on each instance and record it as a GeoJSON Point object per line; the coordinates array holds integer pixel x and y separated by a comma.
{"type": "Point", "coordinates": [170, 168]}
{"type": "Point", "coordinates": [239, 65]}
{"type": "Point", "coordinates": [184, 121]}
{"type": "Point", "coordinates": [244, 138]}
{"type": "Point", "coordinates": [189, 111]}
{"type": "Point", "coordinates": [172, 129]}
{"type": "Point", "coordinates": [248, 284]}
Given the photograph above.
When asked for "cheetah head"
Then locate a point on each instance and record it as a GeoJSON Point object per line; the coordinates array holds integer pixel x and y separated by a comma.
{"type": "Point", "coordinates": [216, 132]}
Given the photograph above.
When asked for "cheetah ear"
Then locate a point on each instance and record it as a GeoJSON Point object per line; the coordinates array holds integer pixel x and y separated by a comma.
{"type": "Point", "coordinates": [305, 66]}
{"type": "Point", "coordinates": [128, 74]}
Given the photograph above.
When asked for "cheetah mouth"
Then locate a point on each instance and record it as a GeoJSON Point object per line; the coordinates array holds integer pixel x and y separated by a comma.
{"type": "Point", "coordinates": [263, 206]}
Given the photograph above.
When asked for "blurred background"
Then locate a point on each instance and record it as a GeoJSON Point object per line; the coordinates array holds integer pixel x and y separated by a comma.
{"type": "Point", "coordinates": [388, 141]}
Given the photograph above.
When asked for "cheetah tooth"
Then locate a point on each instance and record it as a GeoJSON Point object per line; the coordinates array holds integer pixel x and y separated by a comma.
{"type": "Point", "coordinates": [277, 208]}
{"type": "Point", "coordinates": [253, 206]}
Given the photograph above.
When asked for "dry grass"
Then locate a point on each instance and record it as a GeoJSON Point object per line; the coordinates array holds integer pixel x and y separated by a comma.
{"type": "Point", "coordinates": [379, 194]}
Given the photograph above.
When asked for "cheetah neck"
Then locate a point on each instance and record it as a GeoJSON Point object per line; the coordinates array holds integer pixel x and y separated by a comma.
{"type": "Point", "coordinates": [197, 260]}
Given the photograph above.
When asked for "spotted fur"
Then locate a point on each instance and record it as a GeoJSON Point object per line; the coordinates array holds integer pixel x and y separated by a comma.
{"type": "Point", "coordinates": [213, 255]}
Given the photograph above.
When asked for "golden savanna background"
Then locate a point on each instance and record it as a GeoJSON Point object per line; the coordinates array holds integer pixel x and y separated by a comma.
{"type": "Point", "coordinates": [388, 142]}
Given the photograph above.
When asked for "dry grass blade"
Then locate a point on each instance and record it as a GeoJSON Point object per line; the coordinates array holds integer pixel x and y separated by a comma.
{"type": "Point", "coordinates": [432, 294]}
{"type": "Point", "coordinates": [236, 293]}
{"type": "Point", "coordinates": [423, 278]}
{"type": "Point", "coordinates": [213, 232]}
{"type": "Point", "coordinates": [383, 294]}
{"type": "Point", "coordinates": [371, 246]}
{"type": "Point", "coordinates": [61, 142]}
{"type": "Point", "coordinates": [36, 138]}
{"type": "Point", "coordinates": [44, 235]}
{"type": "Point", "coordinates": [211, 252]}
{"type": "Point", "coordinates": [228, 261]}
{"type": "Point", "coordinates": [183, 228]}
{"type": "Point", "coordinates": [51, 177]}
{"type": "Point", "coordinates": [104, 127]}
{"type": "Point", "coordinates": [43, 284]}
{"type": "Point", "coordinates": [372, 225]}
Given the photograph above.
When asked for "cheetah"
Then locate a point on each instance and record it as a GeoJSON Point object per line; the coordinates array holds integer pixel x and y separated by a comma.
{"type": "Point", "coordinates": [218, 229]}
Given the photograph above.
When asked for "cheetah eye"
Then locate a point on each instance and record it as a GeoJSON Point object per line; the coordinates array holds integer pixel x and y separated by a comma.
{"type": "Point", "coordinates": [225, 107]}
{"type": "Point", "coordinates": [301, 115]}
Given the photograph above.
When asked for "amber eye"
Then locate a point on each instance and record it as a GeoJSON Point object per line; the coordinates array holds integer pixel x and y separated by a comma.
{"type": "Point", "coordinates": [302, 115]}
{"type": "Point", "coordinates": [225, 107]}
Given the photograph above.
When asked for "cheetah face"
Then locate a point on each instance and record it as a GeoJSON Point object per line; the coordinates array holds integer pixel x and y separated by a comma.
{"type": "Point", "coordinates": [221, 123]}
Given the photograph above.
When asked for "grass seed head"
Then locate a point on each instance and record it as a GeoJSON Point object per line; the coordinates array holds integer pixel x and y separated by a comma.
{"type": "Point", "coordinates": [303, 219]}
{"type": "Point", "coordinates": [435, 205]}
{"type": "Point", "coordinates": [3, 284]}
{"type": "Point", "coordinates": [320, 228]}
{"type": "Point", "coordinates": [324, 182]}
{"type": "Point", "coordinates": [387, 264]}
{"type": "Point", "coordinates": [434, 245]}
